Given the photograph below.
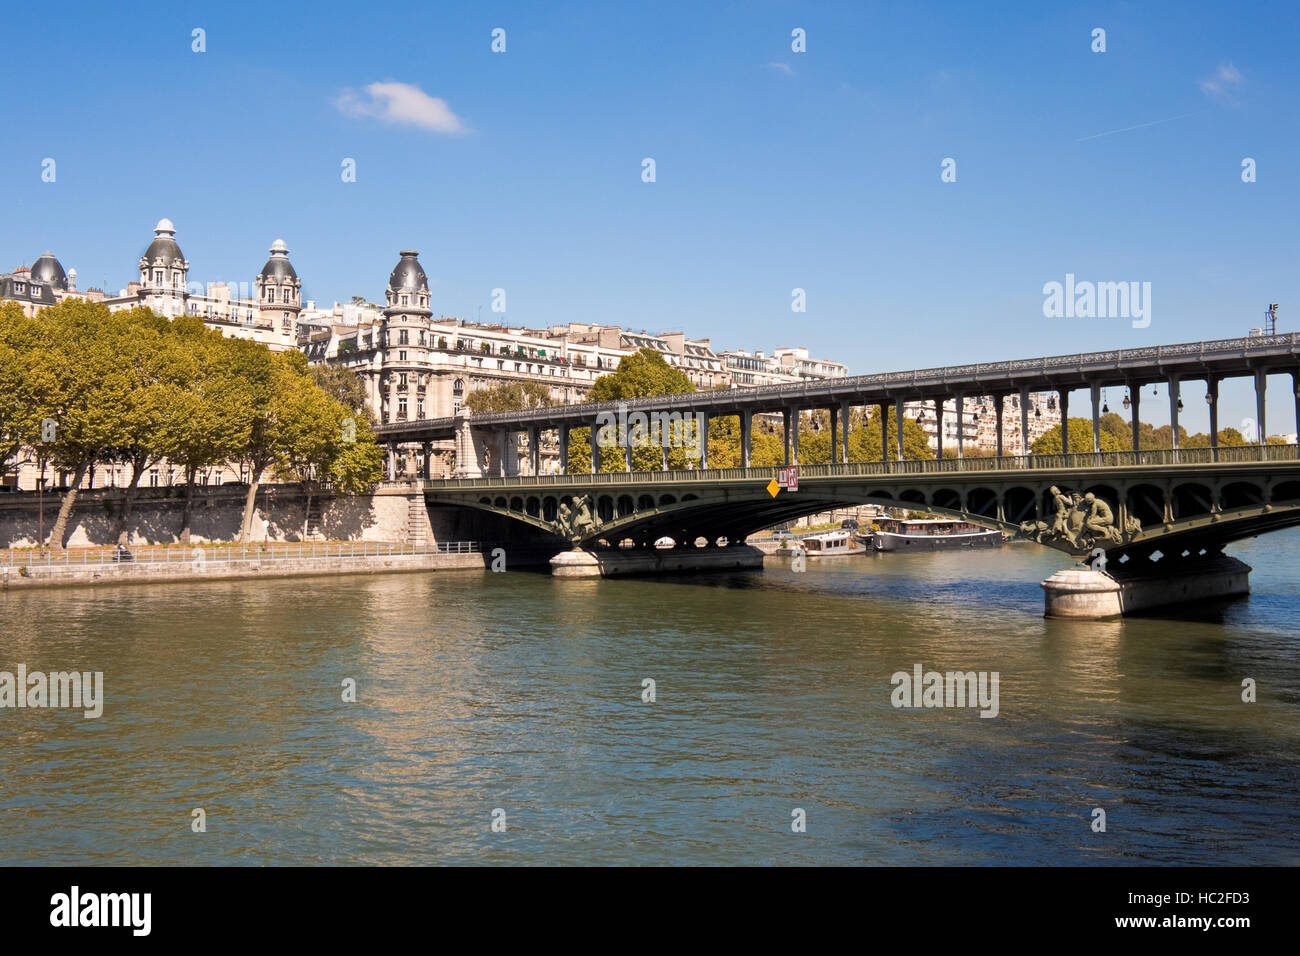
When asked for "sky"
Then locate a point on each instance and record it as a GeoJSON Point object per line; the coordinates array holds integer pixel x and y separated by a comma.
{"type": "Point", "coordinates": [774, 169]}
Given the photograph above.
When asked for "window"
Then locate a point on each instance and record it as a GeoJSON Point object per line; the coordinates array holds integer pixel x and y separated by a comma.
{"type": "Point", "coordinates": [419, 408]}
{"type": "Point", "coordinates": [458, 387]}
{"type": "Point", "coordinates": [401, 357]}
{"type": "Point", "coordinates": [284, 322]}
{"type": "Point", "coordinates": [401, 380]}
{"type": "Point", "coordinates": [401, 408]}
{"type": "Point", "coordinates": [421, 336]}
{"type": "Point", "coordinates": [157, 277]}
{"type": "Point", "coordinates": [403, 338]}
{"type": "Point", "coordinates": [404, 299]}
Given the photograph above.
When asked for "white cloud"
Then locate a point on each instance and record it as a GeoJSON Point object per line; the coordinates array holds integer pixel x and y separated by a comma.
{"type": "Point", "coordinates": [782, 67]}
{"type": "Point", "coordinates": [1223, 82]}
{"type": "Point", "coordinates": [401, 104]}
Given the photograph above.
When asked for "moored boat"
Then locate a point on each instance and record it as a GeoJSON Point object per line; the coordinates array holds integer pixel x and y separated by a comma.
{"type": "Point", "coordinates": [931, 534]}
{"type": "Point", "coordinates": [832, 544]}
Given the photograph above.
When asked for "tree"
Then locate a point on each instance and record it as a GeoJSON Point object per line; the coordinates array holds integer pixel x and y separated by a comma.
{"type": "Point", "coordinates": [15, 338]}
{"type": "Point", "coordinates": [212, 409]}
{"type": "Point", "coordinates": [73, 394]}
{"type": "Point", "coordinates": [152, 362]}
{"type": "Point", "coordinates": [508, 397]}
{"type": "Point", "coordinates": [344, 386]}
{"type": "Point", "coordinates": [315, 445]}
{"type": "Point", "coordinates": [638, 375]}
{"type": "Point", "coordinates": [273, 379]}
{"type": "Point", "coordinates": [1049, 443]}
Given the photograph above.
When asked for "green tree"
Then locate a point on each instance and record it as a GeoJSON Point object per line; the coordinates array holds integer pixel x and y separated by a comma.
{"type": "Point", "coordinates": [151, 353]}
{"type": "Point", "coordinates": [73, 394]}
{"type": "Point", "coordinates": [638, 375]}
{"type": "Point", "coordinates": [1049, 443]}
{"type": "Point", "coordinates": [211, 409]}
{"type": "Point", "coordinates": [344, 386]}
{"type": "Point", "coordinates": [508, 397]}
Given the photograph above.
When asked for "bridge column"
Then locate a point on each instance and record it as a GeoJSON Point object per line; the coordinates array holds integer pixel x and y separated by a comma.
{"type": "Point", "coordinates": [627, 452]}
{"type": "Point", "coordinates": [997, 415]}
{"type": "Point", "coordinates": [746, 431]}
{"type": "Point", "coordinates": [835, 434]}
{"type": "Point", "coordinates": [704, 440]}
{"type": "Point", "coordinates": [1024, 421]}
{"type": "Point", "coordinates": [427, 448]}
{"type": "Point", "coordinates": [1173, 411]}
{"type": "Point", "coordinates": [961, 425]}
{"type": "Point", "coordinates": [564, 449]}
{"type": "Point", "coordinates": [1295, 388]}
{"type": "Point", "coordinates": [884, 432]}
{"type": "Point", "coordinates": [1096, 418]}
{"type": "Point", "coordinates": [1135, 399]}
{"type": "Point", "coordinates": [844, 418]}
{"type": "Point", "coordinates": [1212, 395]}
{"type": "Point", "coordinates": [1261, 385]}
{"type": "Point", "coordinates": [898, 437]}
{"type": "Point", "coordinates": [938, 428]}
{"type": "Point", "coordinates": [534, 449]}
{"type": "Point", "coordinates": [392, 461]}
{"type": "Point", "coordinates": [595, 446]}
{"type": "Point", "coordinates": [1063, 403]}
{"type": "Point", "coordinates": [785, 424]}
{"type": "Point", "coordinates": [794, 438]}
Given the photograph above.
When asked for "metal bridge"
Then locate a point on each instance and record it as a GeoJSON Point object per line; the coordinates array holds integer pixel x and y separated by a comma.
{"type": "Point", "coordinates": [1210, 362]}
{"type": "Point", "coordinates": [1170, 503]}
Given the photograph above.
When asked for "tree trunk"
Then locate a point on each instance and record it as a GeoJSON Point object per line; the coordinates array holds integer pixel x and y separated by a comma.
{"type": "Point", "coordinates": [65, 510]}
{"type": "Point", "coordinates": [127, 501]}
{"type": "Point", "coordinates": [190, 474]}
{"type": "Point", "coordinates": [250, 507]}
{"type": "Point", "coordinates": [306, 518]}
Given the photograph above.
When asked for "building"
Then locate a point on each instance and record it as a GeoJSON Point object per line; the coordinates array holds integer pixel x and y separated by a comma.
{"type": "Point", "coordinates": [785, 366]}
{"type": "Point", "coordinates": [44, 284]}
{"type": "Point", "coordinates": [269, 316]}
{"type": "Point", "coordinates": [694, 357]}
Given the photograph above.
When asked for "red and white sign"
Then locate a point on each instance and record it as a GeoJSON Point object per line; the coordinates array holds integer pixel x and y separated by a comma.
{"type": "Point", "coordinates": [788, 478]}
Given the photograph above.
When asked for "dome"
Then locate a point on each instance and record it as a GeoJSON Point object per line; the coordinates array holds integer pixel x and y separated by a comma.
{"type": "Point", "coordinates": [164, 247]}
{"type": "Point", "coordinates": [47, 269]}
{"type": "Point", "coordinates": [408, 276]}
{"type": "Point", "coordinates": [278, 267]}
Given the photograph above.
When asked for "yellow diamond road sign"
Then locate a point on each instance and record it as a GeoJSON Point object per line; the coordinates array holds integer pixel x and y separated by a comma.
{"type": "Point", "coordinates": [773, 488]}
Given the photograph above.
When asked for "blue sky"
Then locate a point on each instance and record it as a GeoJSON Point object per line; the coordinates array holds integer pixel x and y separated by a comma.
{"type": "Point", "coordinates": [775, 169]}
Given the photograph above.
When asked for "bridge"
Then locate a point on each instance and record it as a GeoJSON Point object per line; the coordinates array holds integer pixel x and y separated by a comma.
{"type": "Point", "coordinates": [1176, 508]}
{"type": "Point", "coordinates": [1176, 503]}
{"type": "Point", "coordinates": [1211, 362]}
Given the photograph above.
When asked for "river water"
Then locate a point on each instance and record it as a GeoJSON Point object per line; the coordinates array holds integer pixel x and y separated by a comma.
{"type": "Point", "coordinates": [519, 693]}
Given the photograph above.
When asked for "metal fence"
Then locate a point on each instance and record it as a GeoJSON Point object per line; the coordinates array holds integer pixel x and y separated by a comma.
{"type": "Point", "coordinates": [217, 554]}
{"type": "Point", "coordinates": [1224, 455]}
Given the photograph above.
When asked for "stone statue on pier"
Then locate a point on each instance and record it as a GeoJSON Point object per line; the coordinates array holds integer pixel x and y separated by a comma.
{"type": "Point", "coordinates": [575, 521]}
{"type": "Point", "coordinates": [1081, 521]}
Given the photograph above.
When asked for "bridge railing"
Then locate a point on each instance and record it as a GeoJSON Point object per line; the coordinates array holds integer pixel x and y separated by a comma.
{"type": "Point", "coordinates": [1240, 454]}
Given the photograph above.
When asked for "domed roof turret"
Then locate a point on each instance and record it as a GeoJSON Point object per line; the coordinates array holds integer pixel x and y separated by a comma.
{"type": "Point", "coordinates": [278, 267]}
{"type": "Point", "coordinates": [408, 275]}
{"type": "Point", "coordinates": [164, 247]}
{"type": "Point", "coordinates": [47, 269]}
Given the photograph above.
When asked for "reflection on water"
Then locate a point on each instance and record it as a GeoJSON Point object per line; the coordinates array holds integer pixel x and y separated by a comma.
{"type": "Point", "coordinates": [522, 692]}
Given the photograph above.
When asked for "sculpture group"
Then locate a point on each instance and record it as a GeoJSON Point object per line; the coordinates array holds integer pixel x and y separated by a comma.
{"type": "Point", "coordinates": [575, 521]}
{"type": "Point", "coordinates": [1080, 520]}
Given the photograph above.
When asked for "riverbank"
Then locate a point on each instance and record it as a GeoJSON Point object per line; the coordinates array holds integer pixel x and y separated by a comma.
{"type": "Point", "coordinates": [19, 570]}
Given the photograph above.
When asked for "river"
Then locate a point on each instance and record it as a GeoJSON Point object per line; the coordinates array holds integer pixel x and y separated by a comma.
{"type": "Point", "coordinates": [519, 693]}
